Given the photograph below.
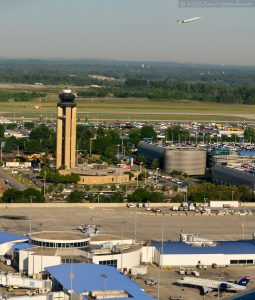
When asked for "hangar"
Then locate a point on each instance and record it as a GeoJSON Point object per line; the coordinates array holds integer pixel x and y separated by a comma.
{"type": "Point", "coordinates": [197, 251]}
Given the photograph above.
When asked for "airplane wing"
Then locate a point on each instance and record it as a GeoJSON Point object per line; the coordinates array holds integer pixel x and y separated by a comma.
{"type": "Point", "coordinates": [206, 289]}
{"type": "Point", "coordinates": [188, 20]}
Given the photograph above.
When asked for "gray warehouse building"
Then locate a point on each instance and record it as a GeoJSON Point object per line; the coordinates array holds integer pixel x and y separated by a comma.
{"type": "Point", "coordinates": [229, 175]}
{"type": "Point", "coordinates": [191, 161]}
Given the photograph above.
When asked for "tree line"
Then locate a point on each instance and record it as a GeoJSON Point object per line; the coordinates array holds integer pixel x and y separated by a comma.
{"type": "Point", "coordinates": [19, 96]}
{"type": "Point", "coordinates": [208, 192]}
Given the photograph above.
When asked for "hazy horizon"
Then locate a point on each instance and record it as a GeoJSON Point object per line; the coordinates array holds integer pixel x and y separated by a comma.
{"type": "Point", "coordinates": [118, 30]}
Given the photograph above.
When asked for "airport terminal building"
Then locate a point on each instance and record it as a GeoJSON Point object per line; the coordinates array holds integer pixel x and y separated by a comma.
{"type": "Point", "coordinates": [103, 249]}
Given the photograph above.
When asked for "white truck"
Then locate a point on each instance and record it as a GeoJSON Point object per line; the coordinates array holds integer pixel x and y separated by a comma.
{"type": "Point", "coordinates": [224, 204]}
{"type": "Point", "coordinates": [175, 207]}
{"type": "Point", "coordinates": [192, 207]}
{"type": "Point", "coordinates": [15, 280]}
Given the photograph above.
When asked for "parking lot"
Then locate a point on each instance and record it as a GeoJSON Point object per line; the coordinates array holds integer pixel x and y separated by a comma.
{"type": "Point", "coordinates": [148, 226]}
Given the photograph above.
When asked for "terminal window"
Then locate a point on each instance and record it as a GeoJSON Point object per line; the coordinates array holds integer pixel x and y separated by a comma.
{"type": "Point", "coordinates": [112, 263]}
{"type": "Point", "coordinates": [241, 261]}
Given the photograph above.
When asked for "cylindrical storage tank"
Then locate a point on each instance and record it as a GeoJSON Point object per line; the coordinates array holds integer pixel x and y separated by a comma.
{"type": "Point", "coordinates": [191, 161]}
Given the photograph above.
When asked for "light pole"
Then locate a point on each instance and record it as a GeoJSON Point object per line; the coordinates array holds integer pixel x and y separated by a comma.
{"type": "Point", "coordinates": [71, 279]}
{"type": "Point", "coordinates": [90, 145]}
{"type": "Point", "coordinates": [98, 196]}
{"type": "Point", "coordinates": [30, 219]}
{"type": "Point", "coordinates": [122, 145]}
{"type": "Point", "coordinates": [157, 176]}
{"type": "Point", "coordinates": [137, 180]}
{"type": "Point", "coordinates": [44, 185]}
{"type": "Point", "coordinates": [160, 255]}
{"type": "Point", "coordinates": [135, 225]}
{"type": "Point", "coordinates": [122, 233]}
{"type": "Point", "coordinates": [104, 276]}
{"type": "Point", "coordinates": [118, 153]}
{"type": "Point", "coordinates": [41, 228]}
{"type": "Point", "coordinates": [1, 152]}
{"type": "Point", "coordinates": [243, 226]}
{"type": "Point", "coordinates": [219, 278]}
{"type": "Point", "coordinates": [232, 195]}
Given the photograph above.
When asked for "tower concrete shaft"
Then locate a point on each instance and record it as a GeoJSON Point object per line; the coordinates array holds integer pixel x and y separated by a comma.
{"type": "Point", "coordinates": [66, 130]}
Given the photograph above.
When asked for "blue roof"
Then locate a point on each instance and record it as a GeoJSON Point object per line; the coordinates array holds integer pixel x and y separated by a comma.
{"type": "Point", "coordinates": [223, 247]}
{"type": "Point", "coordinates": [6, 237]}
{"type": "Point", "coordinates": [88, 277]}
{"type": "Point", "coordinates": [246, 153]}
{"type": "Point", "coordinates": [22, 246]}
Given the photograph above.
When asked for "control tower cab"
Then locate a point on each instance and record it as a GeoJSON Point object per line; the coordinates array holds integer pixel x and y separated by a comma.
{"type": "Point", "coordinates": [66, 96]}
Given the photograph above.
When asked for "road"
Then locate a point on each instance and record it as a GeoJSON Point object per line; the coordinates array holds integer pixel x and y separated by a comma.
{"type": "Point", "coordinates": [11, 181]}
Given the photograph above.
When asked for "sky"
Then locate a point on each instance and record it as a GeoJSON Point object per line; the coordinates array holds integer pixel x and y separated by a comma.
{"type": "Point", "coordinates": [143, 30]}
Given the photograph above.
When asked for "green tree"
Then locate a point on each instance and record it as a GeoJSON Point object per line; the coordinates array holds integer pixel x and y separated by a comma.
{"type": "Point", "coordinates": [155, 164]}
{"type": "Point", "coordinates": [113, 187]}
{"type": "Point", "coordinates": [177, 133]}
{"type": "Point", "coordinates": [55, 177]}
{"type": "Point", "coordinates": [1, 130]}
{"type": "Point", "coordinates": [29, 125]}
{"type": "Point", "coordinates": [41, 132]}
{"type": "Point", "coordinates": [75, 196]}
{"type": "Point", "coordinates": [141, 176]}
{"type": "Point", "coordinates": [156, 197]}
{"type": "Point", "coordinates": [249, 134]}
{"type": "Point", "coordinates": [14, 196]}
{"type": "Point", "coordinates": [10, 144]}
{"type": "Point", "coordinates": [134, 136]}
{"type": "Point", "coordinates": [131, 175]}
{"type": "Point", "coordinates": [116, 198]}
{"type": "Point", "coordinates": [11, 126]}
{"type": "Point", "coordinates": [209, 191]}
{"type": "Point", "coordinates": [140, 195]}
{"type": "Point", "coordinates": [147, 131]}
{"type": "Point", "coordinates": [178, 198]}
{"type": "Point", "coordinates": [31, 192]}
{"type": "Point", "coordinates": [11, 196]}
{"type": "Point", "coordinates": [164, 188]}
{"type": "Point", "coordinates": [60, 188]}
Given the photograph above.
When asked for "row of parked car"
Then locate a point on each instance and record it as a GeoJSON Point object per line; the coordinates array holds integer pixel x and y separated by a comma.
{"type": "Point", "coordinates": [140, 205]}
{"type": "Point", "coordinates": [188, 206]}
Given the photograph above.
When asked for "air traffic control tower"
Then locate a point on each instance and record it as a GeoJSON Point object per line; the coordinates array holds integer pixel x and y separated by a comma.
{"type": "Point", "coordinates": [66, 130]}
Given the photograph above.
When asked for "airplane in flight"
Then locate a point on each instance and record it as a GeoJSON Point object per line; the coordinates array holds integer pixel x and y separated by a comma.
{"type": "Point", "coordinates": [209, 285]}
{"type": "Point", "coordinates": [180, 21]}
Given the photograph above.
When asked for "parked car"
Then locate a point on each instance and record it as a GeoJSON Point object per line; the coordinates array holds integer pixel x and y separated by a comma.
{"type": "Point", "coordinates": [156, 210]}
{"type": "Point", "coordinates": [150, 281]}
{"type": "Point", "coordinates": [175, 208]}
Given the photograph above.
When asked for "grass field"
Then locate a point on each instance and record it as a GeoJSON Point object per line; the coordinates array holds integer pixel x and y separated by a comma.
{"type": "Point", "coordinates": [128, 109]}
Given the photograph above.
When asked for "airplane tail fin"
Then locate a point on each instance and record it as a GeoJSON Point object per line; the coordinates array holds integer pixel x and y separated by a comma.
{"type": "Point", "coordinates": [244, 281]}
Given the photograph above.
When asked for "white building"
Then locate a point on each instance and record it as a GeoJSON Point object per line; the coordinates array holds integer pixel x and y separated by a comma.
{"type": "Point", "coordinates": [54, 248]}
{"type": "Point", "coordinates": [208, 253]}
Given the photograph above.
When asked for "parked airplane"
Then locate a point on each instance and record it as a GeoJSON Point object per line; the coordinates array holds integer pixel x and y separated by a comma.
{"type": "Point", "coordinates": [188, 20]}
{"type": "Point", "coordinates": [209, 285]}
{"type": "Point", "coordinates": [89, 229]}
